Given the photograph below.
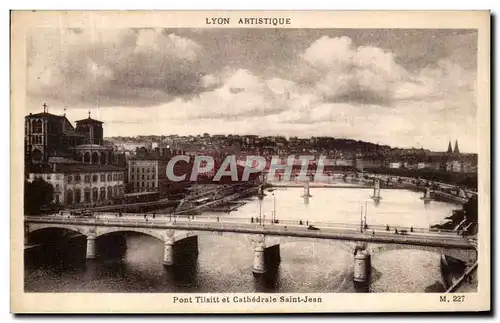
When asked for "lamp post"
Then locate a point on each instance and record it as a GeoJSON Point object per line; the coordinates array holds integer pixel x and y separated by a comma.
{"type": "Point", "coordinates": [274, 208]}
{"type": "Point", "coordinates": [261, 197]}
{"type": "Point", "coordinates": [361, 219]}
{"type": "Point", "coordinates": [366, 209]}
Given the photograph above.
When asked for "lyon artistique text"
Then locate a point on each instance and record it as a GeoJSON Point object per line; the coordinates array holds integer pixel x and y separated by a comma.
{"type": "Point", "coordinates": [249, 21]}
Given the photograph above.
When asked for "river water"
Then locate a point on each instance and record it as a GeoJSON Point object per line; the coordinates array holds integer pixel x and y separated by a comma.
{"type": "Point", "coordinates": [224, 263]}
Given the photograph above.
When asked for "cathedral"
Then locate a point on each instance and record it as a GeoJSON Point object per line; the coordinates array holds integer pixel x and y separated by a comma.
{"type": "Point", "coordinates": [50, 138]}
{"type": "Point", "coordinates": [455, 150]}
{"type": "Point", "coordinates": [73, 159]}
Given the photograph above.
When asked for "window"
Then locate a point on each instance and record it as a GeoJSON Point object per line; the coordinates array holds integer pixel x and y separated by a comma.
{"type": "Point", "coordinates": [87, 178]}
{"type": "Point", "coordinates": [115, 177]}
{"type": "Point", "coordinates": [148, 177]}
{"type": "Point", "coordinates": [109, 178]}
{"type": "Point", "coordinates": [48, 177]}
{"type": "Point", "coordinates": [58, 177]}
{"type": "Point", "coordinates": [147, 170]}
{"type": "Point", "coordinates": [152, 185]}
{"type": "Point", "coordinates": [78, 178]}
{"type": "Point", "coordinates": [132, 177]}
{"type": "Point", "coordinates": [153, 176]}
{"type": "Point", "coordinates": [69, 197]}
{"type": "Point", "coordinates": [94, 178]}
{"type": "Point", "coordinates": [70, 179]}
{"type": "Point", "coordinates": [142, 176]}
{"type": "Point", "coordinates": [57, 187]}
{"type": "Point", "coordinates": [86, 195]}
{"type": "Point", "coordinates": [142, 184]}
{"type": "Point", "coordinates": [78, 196]}
{"type": "Point", "coordinates": [103, 178]}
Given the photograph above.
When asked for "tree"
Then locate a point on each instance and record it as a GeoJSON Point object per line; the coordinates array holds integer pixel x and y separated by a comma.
{"type": "Point", "coordinates": [470, 209]}
{"type": "Point", "coordinates": [129, 188]}
{"type": "Point", "coordinates": [37, 194]}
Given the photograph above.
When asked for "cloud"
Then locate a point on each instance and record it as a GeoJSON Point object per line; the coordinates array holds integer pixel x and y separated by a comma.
{"type": "Point", "coordinates": [165, 81]}
{"type": "Point", "coordinates": [341, 72]}
{"type": "Point", "coordinates": [346, 73]}
{"type": "Point", "coordinates": [127, 67]}
{"type": "Point", "coordinates": [234, 95]}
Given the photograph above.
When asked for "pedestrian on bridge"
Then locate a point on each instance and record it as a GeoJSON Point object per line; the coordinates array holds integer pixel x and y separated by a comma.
{"type": "Point", "coordinates": [387, 228]}
{"type": "Point", "coordinates": [411, 228]}
{"type": "Point", "coordinates": [373, 232]}
{"type": "Point", "coordinates": [251, 219]}
{"type": "Point", "coordinates": [154, 215]}
{"type": "Point", "coordinates": [300, 222]}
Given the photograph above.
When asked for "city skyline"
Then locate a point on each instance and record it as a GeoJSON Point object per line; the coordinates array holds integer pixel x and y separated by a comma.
{"type": "Point", "coordinates": [368, 85]}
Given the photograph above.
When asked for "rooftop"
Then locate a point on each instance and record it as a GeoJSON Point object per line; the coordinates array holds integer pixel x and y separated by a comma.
{"type": "Point", "coordinates": [88, 120]}
{"type": "Point", "coordinates": [80, 168]}
{"type": "Point", "coordinates": [93, 147]}
{"type": "Point", "coordinates": [43, 114]}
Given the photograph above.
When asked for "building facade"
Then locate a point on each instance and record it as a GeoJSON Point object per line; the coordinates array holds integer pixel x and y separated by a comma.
{"type": "Point", "coordinates": [146, 175]}
{"type": "Point", "coordinates": [84, 185]}
{"type": "Point", "coordinates": [48, 135]}
{"type": "Point", "coordinates": [91, 129]}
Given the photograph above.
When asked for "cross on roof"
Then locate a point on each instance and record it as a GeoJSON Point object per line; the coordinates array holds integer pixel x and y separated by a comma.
{"type": "Point", "coordinates": [89, 114]}
{"type": "Point", "coordinates": [44, 106]}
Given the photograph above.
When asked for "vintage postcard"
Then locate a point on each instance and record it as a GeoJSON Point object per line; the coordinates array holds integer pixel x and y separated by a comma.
{"type": "Point", "coordinates": [250, 162]}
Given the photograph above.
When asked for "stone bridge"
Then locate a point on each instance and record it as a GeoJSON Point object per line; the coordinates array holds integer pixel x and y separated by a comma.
{"type": "Point", "coordinates": [265, 241]}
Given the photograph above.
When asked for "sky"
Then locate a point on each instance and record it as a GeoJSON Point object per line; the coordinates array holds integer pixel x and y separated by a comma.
{"type": "Point", "coordinates": [400, 87]}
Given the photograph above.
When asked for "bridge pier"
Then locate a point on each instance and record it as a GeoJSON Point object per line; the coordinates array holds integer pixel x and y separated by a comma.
{"type": "Point", "coordinates": [362, 266]}
{"type": "Point", "coordinates": [259, 264]}
{"type": "Point", "coordinates": [168, 253]}
{"type": "Point", "coordinates": [91, 250]}
{"type": "Point", "coordinates": [265, 258]}
{"type": "Point", "coordinates": [181, 252]}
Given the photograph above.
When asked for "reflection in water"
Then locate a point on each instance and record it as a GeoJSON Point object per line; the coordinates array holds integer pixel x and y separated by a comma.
{"type": "Point", "coordinates": [134, 263]}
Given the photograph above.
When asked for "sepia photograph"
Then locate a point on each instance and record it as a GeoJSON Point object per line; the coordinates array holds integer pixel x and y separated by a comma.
{"type": "Point", "coordinates": [248, 159]}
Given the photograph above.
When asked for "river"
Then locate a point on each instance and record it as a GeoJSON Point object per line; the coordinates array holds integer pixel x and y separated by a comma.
{"type": "Point", "coordinates": [224, 263]}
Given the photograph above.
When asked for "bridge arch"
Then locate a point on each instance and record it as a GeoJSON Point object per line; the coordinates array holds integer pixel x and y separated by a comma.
{"type": "Point", "coordinates": [465, 255]}
{"type": "Point", "coordinates": [346, 246]}
{"type": "Point", "coordinates": [157, 234]}
{"type": "Point", "coordinates": [178, 235]}
{"type": "Point", "coordinates": [34, 227]}
{"type": "Point", "coordinates": [269, 240]}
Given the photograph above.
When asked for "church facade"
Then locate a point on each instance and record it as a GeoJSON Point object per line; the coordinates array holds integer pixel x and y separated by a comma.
{"type": "Point", "coordinates": [73, 159]}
